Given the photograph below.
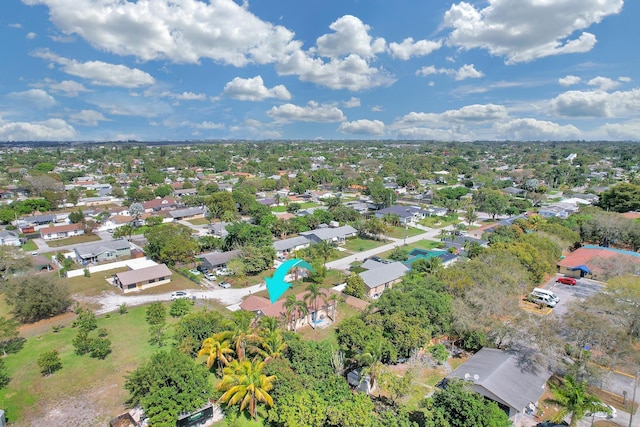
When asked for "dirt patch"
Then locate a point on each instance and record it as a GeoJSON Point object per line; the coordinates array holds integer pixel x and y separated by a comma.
{"type": "Point", "coordinates": [44, 326]}
{"type": "Point", "coordinates": [93, 407]}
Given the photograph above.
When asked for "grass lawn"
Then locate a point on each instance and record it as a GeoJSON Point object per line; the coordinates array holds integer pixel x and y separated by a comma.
{"type": "Point", "coordinates": [401, 232]}
{"type": "Point", "coordinates": [439, 221]}
{"type": "Point", "coordinates": [198, 221]}
{"type": "Point", "coordinates": [29, 246]}
{"type": "Point", "coordinates": [75, 240]}
{"type": "Point", "coordinates": [82, 380]}
{"type": "Point", "coordinates": [359, 244]}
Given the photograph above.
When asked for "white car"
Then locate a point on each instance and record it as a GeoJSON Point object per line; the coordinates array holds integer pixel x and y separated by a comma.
{"type": "Point", "coordinates": [612, 413]}
{"type": "Point", "coordinates": [194, 271]}
{"type": "Point", "coordinates": [223, 272]}
{"type": "Point", "coordinates": [225, 285]}
{"type": "Point", "coordinates": [210, 277]}
{"type": "Point", "coordinates": [179, 294]}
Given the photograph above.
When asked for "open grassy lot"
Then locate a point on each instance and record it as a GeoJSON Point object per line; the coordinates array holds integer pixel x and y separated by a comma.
{"type": "Point", "coordinates": [439, 221]}
{"type": "Point", "coordinates": [29, 246]}
{"type": "Point", "coordinates": [401, 232]}
{"type": "Point", "coordinates": [75, 240]}
{"type": "Point", "coordinates": [421, 244]}
{"type": "Point", "coordinates": [359, 244]}
{"type": "Point", "coordinates": [82, 380]}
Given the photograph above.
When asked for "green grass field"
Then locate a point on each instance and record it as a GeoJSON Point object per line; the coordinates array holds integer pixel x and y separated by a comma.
{"type": "Point", "coordinates": [359, 244]}
{"type": "Point", "coordinates": [75, 240]}
{"type": "Point", "coordinates": [401, 232]}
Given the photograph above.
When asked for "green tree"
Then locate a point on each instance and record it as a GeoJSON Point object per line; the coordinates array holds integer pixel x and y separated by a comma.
{"type": "Point", "coordinates": [156, 315]}
{"type": "Point", "coordinates": [194, 328]}
{"type": "Point", "coordinates": [244, 383]}
{"type": "Point", "coordinates": [180, 307]}
{"type": "Point", "coordinates": [440, 353]}
{"type": "Point", "coordinates": [325, 250]}
{"type": "Point", "coordinates": [171, 244]}
{"type": "Point", "coordinates": [491, 201]}
{"type": "Point", "coordinates": [4, 375]}
{"type": "Point", "coordinates": [572, 398]}
{"type": "Point", "coordinates": [180, 386]}
{"type": "Point", "coordinates": [302, 408]}
{"type": "Point", "coordinates": [35, 298]}
{"type": "Point", "coordinates": [462, 407]}
{"type": "Point", "coordinates": [355, 286]}
{"type": "Point", "coordinates": [622, 197]}
{"type": "Point", "coordinates": [218, 348]}
{"type": "Point", "coordinates": [354, 411]}
{"type": "Point", "coordinates": [49, 362]}
{"type": "Point", "coordinates": [76, 217]}
{"type": "Point", "coordinates": [8, 333]}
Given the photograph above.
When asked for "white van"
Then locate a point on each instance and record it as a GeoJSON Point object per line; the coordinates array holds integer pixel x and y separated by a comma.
{"type": "Point", "coordinates": [547, 292]}
{"type": "Point", "coordinates": [541, 299]}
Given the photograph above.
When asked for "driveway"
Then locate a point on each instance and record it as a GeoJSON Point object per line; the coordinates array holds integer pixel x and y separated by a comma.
{"type": "Point", "coordinates": [567, 293]}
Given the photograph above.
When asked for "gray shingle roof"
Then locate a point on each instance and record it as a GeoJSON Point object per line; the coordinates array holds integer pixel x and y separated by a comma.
{"type": "Point", "coordinates": [331, 233]}
{"type": "Point", "coordinates": [220, 258]}
{"type": "Point", "coordinates": [504, 375]}
{"type": "Point", "coordinates": [384, 274]}
{"type": "Point", "coordinates": [95, 249]}
{"type": "Point", "coordinates": [132, 277]}
{"type": "Point", "coordinates": [288, 244]}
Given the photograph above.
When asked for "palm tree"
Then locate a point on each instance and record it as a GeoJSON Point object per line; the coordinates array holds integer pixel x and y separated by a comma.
{"type": "Point", "coordinates": [242, 333]}
{"type": "Point", "coordinates": [244, 383]}
{"type": "Point", "coordinates": [370, 359]}
{"type": "Point", "coordinates": [325, 250]}
{"type": "Point", "coordinates": [313, 292]}
{"type": "Point", "coordinates": [217, 347]}
{"type": "Point", "coordinates": [290, 306]}
{"type": "Point", "coordinates": [269, 324]}
{"type": "Point", "coordinates": [272, 346]}
{"type": "Point", "coordinates": [572, 398]}
{"type": "Point", "coordinates": [470, 215]}
{"type": "Point", "coordinates": [301, 311]}
{"type": "Point", "coordinates": [333, 299]}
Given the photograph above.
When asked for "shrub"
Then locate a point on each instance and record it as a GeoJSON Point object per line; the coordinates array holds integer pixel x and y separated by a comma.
{"type": "Point", "coordinates": [49, 362]}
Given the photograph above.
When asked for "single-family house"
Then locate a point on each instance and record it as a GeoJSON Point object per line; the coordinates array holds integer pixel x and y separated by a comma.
{"type": "Point", "coordinates": [181, 192]}
{"type": "Point", "coordinates": [9, 238]}
{"type": "Point", "coordinates": [328, 234]}
{"type": "Point", "coordinates": [288, 246]}
{"type": "Point", "coordinates": [39, 220]}
{"type": "Point", "coordinates": [590, 260]}
{"type": "Point", "coordinates": [407, 214]}
{"type": "Point", "coordinates": [157, 205]}
{"type": "Point", "coordinates": [142, 278]}
{"type": "Point", "coordinates": [382, 277]}
{"type": "Point", "coordinates": [62, 231]}
{"type": "Point", "coordinates": [215, 260]}
{"type": "Point", "coordinates": [514, 383]}
{"type": "Point", "coordinates": [218, 229]}
{"type": "Point", "coordinates": [187, 213]}
{"type": "Point", "coordinates": [103, 250]}
{"type": "Point", "coordinates": [262, 306]}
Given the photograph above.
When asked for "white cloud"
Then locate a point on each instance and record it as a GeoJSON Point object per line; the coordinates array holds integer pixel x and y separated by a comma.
{"type": "Point", "coordinates": [253, 89]}
{"type": "Point", "coordinates": [351, 36]}
{"type": "Point", "coordinates": [534, 29]}
{"type": "Point", "coordinates": [15, 25]}
{"type": "Point", "coordinates": [209, 125]}
{"type": "Point", "coordinates": [184, 96]}
{"type": "Point", "coordinates": [377, 108]}
{"type": "Point", "coordinates": [603, 83]}
{"type": "Point", "coordinates": [37, 97]}
{"type": "Point", "coordinates": [468, 113]}
{"type": "Point", "coordinates": [627, 131]}
{"type": "Point", "coordinates": [100, 73]}
{"type": "Point", "coordinates": [182, 31]}
{"type": "Point", "coordinates": [49, 130]}
{"type": "Point", "coordinates": [363, 127]}
{"type": "Point", "coordinates": [597, 103]}
{"type": "Point", "coordinates": [68, 88]}
{"type": "Point", "coordinates": [312, 112]}
{"type": "Point", "coordinates": [569, 80]}
{"type": "Point", "coordinates": [468, 71]}
{"type": "Point", "coordinates": [410, 48]}
{"type": "Point", "coordinates": [352, 73]}
{"type": "Point", "coordinates": [88, 118]}
{"type": "Point", "coordinates": [535, 130]}
{"type": "Point", "coordinates": [352, 103]}
{"type": "Point", "coordinates": [624, 79]}
{"type": "Point", "coordinates": [115, 103]}
{"type": "Point", "coordinates": [31, 35]}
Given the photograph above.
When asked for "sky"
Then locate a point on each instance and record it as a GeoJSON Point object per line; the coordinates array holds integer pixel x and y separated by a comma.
{"type": "Point", "coordinates": [149, 70]}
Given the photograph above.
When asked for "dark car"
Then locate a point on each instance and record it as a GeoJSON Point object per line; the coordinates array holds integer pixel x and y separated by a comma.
{"type": "Point", "coordinates": [567, 281]}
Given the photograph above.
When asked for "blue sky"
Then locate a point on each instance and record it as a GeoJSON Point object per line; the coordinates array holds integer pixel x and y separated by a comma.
{"type": "Point", "coordinates": [107, 70]}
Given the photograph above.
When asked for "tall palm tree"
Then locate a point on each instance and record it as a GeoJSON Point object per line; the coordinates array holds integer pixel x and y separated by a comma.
{"type": "Point", "coordinates": [240, 326]}
{"type": "Point", "coordinates": [470, 215]}
{"type": "Point", "coordinates": [333, 300]}
{"type": "Point", "coordinates": [370, 359]}
{"type": "Point", "coordinates": [244, 383]}
{"type": "Point", "coordinates": [272, 346]}
{"type": "Point", "coordinates": [290, 306]}
{"type": "Point", "coordinates": [313, 292]}
{"type": "Point", "coordinates": [268, 324]}
{"type": "Point", "coordinates": [300, 312]}
{"type": "Point", "coordinates": [325, 250]}
{"type": "Point", "coordinates": [218, 348]}
{"type": "Point", "coordinates": [572, 398]}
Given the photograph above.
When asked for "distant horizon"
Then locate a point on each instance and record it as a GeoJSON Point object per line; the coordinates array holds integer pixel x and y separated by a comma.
{"type": "Point", "coordinates": [459, 70]}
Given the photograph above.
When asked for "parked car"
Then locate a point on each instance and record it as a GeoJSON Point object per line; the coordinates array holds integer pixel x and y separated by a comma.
{"type": "Point", "coordinates": [194, 271]}
{"type": "Point", "coordinates": [210, 277]}
{"type": "Point", "coordinates": [202, 269]}
{"type": "Point", "coordinates": [567, 281]}
{"type": "Point", "coordinates": [179, 294]}
{"type": "Point", "coordinates": [541, 299]}
{"type": "Point", "coordinates": [225, 285]}
{"type": "Point", "coordinates": [608, 411]}
{"type": "Point", "coordinates": [223, 272]}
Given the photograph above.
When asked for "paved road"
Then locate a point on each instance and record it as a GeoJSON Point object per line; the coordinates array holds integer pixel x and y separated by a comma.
{"type": "Point", "coordinates": [343, 264]}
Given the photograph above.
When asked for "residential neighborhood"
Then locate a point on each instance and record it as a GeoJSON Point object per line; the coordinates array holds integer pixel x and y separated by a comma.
{"type": "Point", "coordinates": [485, 277]}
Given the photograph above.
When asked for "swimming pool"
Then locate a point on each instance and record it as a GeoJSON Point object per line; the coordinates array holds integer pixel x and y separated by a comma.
{"type": "Point", "coordinates": [417, 254]}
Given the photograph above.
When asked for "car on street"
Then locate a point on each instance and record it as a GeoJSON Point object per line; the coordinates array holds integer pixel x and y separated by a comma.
{"type": "Point", "coordinates": [608, 412]}
{"type": "Point", "coordinates": [567, 281]}
{"type": "Point", "coordinates": [225, 285]}
{"type": "Point", "coordinates": [210, 277]}
{"type": "Point", "coordinates": [179, 294]}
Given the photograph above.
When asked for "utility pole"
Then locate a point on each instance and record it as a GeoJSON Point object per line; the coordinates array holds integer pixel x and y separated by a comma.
{"type": "Point", "coordinates": [633, 399]}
